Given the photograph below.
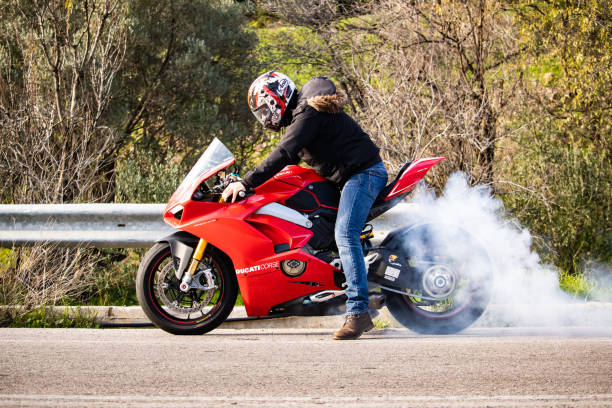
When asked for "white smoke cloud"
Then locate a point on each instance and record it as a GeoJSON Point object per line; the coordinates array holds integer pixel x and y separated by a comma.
{"type": "Point", "coordinates": [527, 292]}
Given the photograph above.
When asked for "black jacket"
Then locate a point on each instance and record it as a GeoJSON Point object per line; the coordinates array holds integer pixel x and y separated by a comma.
{"type": "Point", "coordinates": [326, 138]}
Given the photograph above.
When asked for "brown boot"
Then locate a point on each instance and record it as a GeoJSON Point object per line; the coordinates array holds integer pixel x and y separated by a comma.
{"type": "Point", "coordinates": [354, 326]}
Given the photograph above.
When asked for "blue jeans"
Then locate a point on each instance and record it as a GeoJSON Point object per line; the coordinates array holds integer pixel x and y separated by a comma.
{"type": "Point", "coordinates": [356, 199]}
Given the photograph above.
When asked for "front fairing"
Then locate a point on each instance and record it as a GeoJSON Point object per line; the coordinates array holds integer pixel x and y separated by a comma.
{"type": "Point", "coordinates": [214, 159]}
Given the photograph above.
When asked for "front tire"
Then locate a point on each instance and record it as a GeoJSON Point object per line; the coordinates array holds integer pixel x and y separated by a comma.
{"type": "Point", "coordinates": [191, 313]}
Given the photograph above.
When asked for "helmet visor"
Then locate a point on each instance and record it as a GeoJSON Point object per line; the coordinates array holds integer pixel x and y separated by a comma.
{"type": "Point", "coordinates": [262, 113]}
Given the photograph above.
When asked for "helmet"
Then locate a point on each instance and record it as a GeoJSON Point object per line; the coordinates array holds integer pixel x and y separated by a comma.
{"type": "Point", "coordinates": [269, 97]}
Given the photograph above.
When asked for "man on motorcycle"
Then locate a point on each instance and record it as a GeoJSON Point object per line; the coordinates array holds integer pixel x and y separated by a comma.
{"type": "Point", "coordinates": [335, 146]}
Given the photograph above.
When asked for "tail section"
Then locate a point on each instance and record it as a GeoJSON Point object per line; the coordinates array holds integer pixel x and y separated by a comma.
{"type": "Point", "coordinates": [410, 176]}
{"type": "Point", "coordinates": [406, 179]}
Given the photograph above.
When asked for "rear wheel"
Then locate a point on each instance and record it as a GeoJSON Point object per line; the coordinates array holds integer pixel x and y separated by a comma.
{"type": "Point", "coordinates": [446, 316]}
{"type": "Point", "coordinates": [194, 312]}
{"type": "Point", "coordinates": [454, 275]}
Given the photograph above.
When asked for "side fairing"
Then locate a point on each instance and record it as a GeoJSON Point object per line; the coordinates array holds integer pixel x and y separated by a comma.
{"type": "Point", "coordinates": [258, 235]}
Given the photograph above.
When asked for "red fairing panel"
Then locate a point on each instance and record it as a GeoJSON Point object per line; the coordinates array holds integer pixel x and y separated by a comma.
{"type": "Point", "coordinates": [263, 284]}
{"type": "Point", "coordinates": [250, 240]}
{"type": "Point", "coordinates": [412, 175]}
{"type": "Point", "coordinates": [298, 176]}
{"type": "Point", "coordinates": [279, 231]}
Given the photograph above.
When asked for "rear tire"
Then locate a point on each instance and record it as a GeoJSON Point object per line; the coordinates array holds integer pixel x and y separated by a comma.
{"type": "Point", "coordinates": [452, 258]}
{"type": "Point", "coordinates": [195, 312]}
{"type": "Point", "coordinates": [409, 315]}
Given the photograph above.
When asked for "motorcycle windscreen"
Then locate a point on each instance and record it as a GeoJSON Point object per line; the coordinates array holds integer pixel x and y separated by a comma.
{"type": "Point", "coordinates": [214, 159]}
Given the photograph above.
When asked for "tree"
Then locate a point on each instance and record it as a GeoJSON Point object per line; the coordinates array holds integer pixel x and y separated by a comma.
{"type": "Point", "coordinates": [570, 66]}
{"type": "Point", "coordinates": [91, 86]}
{"type": "Point", "coordinates": [564, 158]}
{"type": "Point", "coordinates": [425, 77]}
{"type": "Point", "coordinates": [184, 80]}
{"type": "Point", "coordinates": [58, 61]}
{"type": "Point", "coordinates": [87, 84]}
{"type": "Point", "coordinates": [517, 93]}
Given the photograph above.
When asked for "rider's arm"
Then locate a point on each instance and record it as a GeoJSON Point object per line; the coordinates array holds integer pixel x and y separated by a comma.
{"type": "Point", "coordinates": [300, 133]}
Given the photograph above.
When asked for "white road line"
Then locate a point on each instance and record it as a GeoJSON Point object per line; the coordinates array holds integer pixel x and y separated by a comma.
{"type": "Point", "coordinates": [44, 400]}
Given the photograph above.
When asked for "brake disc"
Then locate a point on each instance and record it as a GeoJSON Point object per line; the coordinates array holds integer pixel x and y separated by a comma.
{"type": "Point", "coordinates": [163, 289]}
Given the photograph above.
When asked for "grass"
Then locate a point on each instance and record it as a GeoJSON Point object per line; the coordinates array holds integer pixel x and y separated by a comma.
{"type": "Point", "coordinates": [114, 281]}
{"type": "Point", "coordinates": [43, 317]}
{"type": "Point", "coordinates": [381, 323]}
{"type": "Point", "coordinates": [589, 288]}
{"type": "Point", "coordinates": [575, 284]}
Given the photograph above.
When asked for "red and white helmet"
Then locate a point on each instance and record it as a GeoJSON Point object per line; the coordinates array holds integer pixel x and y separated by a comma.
{"type": "Point", "coordinates": [269, 96]}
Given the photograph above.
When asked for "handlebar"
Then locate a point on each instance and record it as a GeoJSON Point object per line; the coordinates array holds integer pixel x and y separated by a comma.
{"type": "Point", "coordinates": [213, 194]}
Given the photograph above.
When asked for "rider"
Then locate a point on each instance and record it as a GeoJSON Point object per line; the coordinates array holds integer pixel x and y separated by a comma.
{"type": "Point", "coordinates": [335, 146]}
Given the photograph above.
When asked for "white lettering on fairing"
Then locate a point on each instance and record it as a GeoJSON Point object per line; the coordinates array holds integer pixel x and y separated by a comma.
{"type": "Point", "coordinates": [257, 268]}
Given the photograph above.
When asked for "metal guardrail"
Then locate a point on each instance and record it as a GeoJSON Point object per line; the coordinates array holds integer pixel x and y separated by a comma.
{"type": "Point", "coordinates": [99, 225]}
{"type": "Point", "coordinates": [109, 225]}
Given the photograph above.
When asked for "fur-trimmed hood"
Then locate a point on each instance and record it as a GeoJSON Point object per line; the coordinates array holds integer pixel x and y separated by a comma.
{"type": "Point", "coordinates": [320, 93]}
{"type": "Point", "coordinates": [329, 103]}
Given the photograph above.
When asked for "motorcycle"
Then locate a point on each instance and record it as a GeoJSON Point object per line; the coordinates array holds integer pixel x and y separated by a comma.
{"type": "Point", "coordinates": [276, 246]}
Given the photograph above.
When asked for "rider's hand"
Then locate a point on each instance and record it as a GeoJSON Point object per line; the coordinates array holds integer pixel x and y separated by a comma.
{"type": "Point", "coordinates": [233, 190]}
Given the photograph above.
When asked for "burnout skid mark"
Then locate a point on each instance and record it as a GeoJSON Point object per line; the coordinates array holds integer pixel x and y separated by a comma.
{"type": "Point", "coordinates": [257, 268]}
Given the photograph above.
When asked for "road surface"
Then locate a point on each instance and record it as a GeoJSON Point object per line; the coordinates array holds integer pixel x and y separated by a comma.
{"type": "Point", "coordinates": [298, 368]}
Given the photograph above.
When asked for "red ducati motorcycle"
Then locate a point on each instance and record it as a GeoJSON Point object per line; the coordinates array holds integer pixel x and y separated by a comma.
{"type": "Point", "coordinates": [276, 245]}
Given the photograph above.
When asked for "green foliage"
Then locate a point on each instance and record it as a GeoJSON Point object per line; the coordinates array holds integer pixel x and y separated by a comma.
{"type": "Point", "coordinates": [381, 323]}
{"type": "Point", "coordinates": [273, 57]}
{"type": "Point", "coordinates": [186, 72]}
{"type": "Point", "coordinates": [574, 39]}
{"type": "Point", "coordinates": [589, 285]}
{"type": "Point", "coordinates": [7, 259]}
{"type": "Point", "coordinates": [113, 283]}
{"type": "Point", "coordinates": [570, 210]}
{"type": "Point", "coordinates": [564, 157]}
{"type": "Point", "coordinates": [575, 284]}
{"type": "Point", "coordinates": [57, 65]}
{"type": "Point", "coordinates": [143, 178]}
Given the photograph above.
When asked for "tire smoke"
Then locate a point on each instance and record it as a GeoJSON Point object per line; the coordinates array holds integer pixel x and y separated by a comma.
{"type": "Point", "coordinates": [526, 291]}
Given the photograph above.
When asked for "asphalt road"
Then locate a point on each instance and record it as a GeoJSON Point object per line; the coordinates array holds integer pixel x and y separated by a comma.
{"type": "Point", "coordinates": [291, 368]}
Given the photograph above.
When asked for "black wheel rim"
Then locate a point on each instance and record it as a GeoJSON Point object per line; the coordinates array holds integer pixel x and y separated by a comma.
{"type": "Point", "coordinates": [459, 299]}
{"type": "Point", "coordinates": [191, 308]}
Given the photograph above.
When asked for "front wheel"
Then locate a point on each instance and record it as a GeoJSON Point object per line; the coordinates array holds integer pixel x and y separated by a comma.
{"type": "Point", "coordinates": [194, 312]}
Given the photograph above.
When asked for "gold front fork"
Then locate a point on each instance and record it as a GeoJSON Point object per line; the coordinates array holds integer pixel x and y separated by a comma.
{"type": "Point", "coordinates": [199, 252]}
{"type": "Point", "coordinates": [197, 256]}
